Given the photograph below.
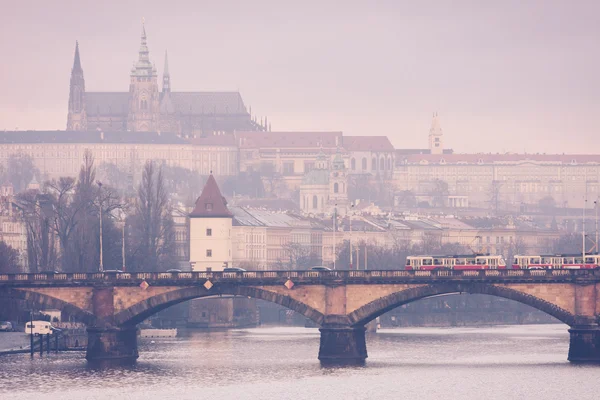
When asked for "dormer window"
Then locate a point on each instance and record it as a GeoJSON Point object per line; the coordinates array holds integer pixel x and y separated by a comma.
{"type": "Point", "coordinates": [208, 206]}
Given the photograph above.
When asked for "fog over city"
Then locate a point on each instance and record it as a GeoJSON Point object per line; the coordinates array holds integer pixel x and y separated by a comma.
{"type": "Point", "coordinates": [249, 199]}
{"type": "Point", "coordinates": [504, 76]}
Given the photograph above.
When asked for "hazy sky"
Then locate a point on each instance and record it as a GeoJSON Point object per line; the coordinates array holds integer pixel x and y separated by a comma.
{"type": "Point", "coordinates": [510, 75]}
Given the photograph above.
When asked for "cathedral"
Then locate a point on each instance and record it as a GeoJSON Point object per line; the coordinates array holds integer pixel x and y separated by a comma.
{"type": "Point", "coordinates": [145, 108]}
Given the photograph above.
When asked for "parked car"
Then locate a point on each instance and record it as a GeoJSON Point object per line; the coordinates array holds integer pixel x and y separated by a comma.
{"type": "Point", "coordinates": [233, 269]}
{"type": "Point", "coordinates": [39, 328]}
{"type": "Point", "coordinates": [113, 271]}
{"type": "Point", "coordinates": [6, 326]}
{"type": "Point", "coordinates": [320, 268]}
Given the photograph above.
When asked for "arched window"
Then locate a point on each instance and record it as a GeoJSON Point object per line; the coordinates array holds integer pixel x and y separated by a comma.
{"type": "Point", "coordinates": [374, 164]}
{"type": "Point", "coordinates": [382, 164]}
{"type": "Point", "coordinates": [353, 164]}
{"type": "Point", "coordinates": [336, 188]}
{"type": "Point", "coordinates": [315, 202]}
{"type": "Point", "coordinates": [389, 163]}
{"type": "Point", "coordinates": [364, 163]}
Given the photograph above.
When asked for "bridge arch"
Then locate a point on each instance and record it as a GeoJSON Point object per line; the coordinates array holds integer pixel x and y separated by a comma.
{"type": "Point", "coordinates": [42, 300]}
{"type": "Point", "coordinates": [145, 308]}
{"type": "Point", "coordinates": [374, 309]}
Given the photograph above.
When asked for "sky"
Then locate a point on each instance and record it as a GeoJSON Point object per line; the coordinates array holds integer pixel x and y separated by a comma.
{"type": "Point", "coordinates": [511, 75]}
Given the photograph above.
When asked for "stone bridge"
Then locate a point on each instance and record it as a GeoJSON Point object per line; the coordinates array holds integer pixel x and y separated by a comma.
{"type": "Point", "coordinates": [341, 302]}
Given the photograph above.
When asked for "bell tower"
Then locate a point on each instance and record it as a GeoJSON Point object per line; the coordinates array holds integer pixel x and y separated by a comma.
{"type": "Point", "coordinates": [338, 183]}
{"type": "Point", "coordinates": [143, 92]}
{"type": "Point", "coordinates": [77, 118]}
{"type": "Point", "coordinates": [436, 143]}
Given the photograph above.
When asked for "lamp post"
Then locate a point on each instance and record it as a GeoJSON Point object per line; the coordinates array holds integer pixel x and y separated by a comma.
{"type": "Point", "coordinates": [596, 239]}
{"type": "Point", "coordinates": [123, 218]}
{"type": "Point", "coordinates": [334, 229]}
{"type": "Point", "coordinates": [31, 332]}
{"type": "Point", "coordinates": [583, 234]}
{"type": "Point", "coordinates": [101, 267]}
{"type": "Point", "coordinates": [350, 218]}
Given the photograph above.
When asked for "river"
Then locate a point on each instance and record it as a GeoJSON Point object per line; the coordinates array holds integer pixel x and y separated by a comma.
{"type": "Point", "coordinates": [502, 362]}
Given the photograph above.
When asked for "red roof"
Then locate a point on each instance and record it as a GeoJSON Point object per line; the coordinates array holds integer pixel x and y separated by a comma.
{"type": "Point", "coordinates": [211, 203]}
{"type": "Point", "coordinates": [367, 143]}
{"type": "Point", "coordinates": [499, 158]}
{"type": "Point", "coordinates": [252, 140]}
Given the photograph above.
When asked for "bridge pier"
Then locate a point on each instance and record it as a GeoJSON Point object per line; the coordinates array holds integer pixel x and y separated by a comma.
{"type": "Point", "coordinates": [112, 344]}
{"type": "Point", "coordinates": [584, 345]}
{"type": "Point", "coordinates": [342, 345]}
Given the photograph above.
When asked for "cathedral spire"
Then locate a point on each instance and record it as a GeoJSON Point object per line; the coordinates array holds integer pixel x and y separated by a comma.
{"type": "Point", "coordinates": [76, 118]}
{"type": "Point", "coordinates": [77, 61]}
{"type": "Point", "coordinates": [166, 76]}
{"type": "Point", "coordinates": [143, 67]}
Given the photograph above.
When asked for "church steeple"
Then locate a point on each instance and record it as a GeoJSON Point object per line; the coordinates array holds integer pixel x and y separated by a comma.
{"type": "Point", "coordinates": [143, 67]}
{"type": "Point", "coordinates": [77, 61]}
{"type": "Point", "coordinates": [76, 118]}
{"type": "Point", "coordinates": [166, 76]}
{"type": "Point", "coordinates": [436, 144]}
{"type": "Point", "coordinates": [143, 91]}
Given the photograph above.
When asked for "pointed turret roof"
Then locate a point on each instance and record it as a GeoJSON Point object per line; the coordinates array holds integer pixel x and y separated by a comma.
{"type": "Point", "coordinates": [211, 203]}
{"type": "Point", "coordinates": [143, 67]}
{"type": "Point", "coordinates": [166, 88]}
{"type": "Point", "coordinates": [166, 70]}
{"type": "Point", "coordinates": [436, 129]}
{"type": "Point", "coordinates": [77, 61]}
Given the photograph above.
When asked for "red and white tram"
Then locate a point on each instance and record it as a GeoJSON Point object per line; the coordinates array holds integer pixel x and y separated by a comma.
{"type": "Point", "coordinates": [557, 261]}
{"type": "Point", "coordinates": [458, 262]}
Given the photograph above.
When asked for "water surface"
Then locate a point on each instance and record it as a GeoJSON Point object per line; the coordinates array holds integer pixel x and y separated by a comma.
{"type": "Point", "coordinates": [506, 362]}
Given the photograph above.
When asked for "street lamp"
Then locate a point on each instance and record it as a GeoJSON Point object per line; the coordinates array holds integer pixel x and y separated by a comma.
{"type": "Point", "coordinates": [350, 219]}
{"type": "Point", "coordinates": [334, 229]}
{"type": "Point", "coordinates": [101, 268]}
{"type": "Point", "coordinates": [123, 218]}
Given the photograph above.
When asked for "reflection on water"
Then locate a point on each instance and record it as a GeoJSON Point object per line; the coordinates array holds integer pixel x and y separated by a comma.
{"type": "Point", "coordinates": [520, 362]}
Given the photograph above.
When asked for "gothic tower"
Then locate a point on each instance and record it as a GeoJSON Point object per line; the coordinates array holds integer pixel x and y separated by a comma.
{"type": "Point", "coordinates": [436, 144]}
{"type": "Point", "coordinates": [143, 92]}
{"type": "Point", "coordinates": [77, 118]}
{"type": "Point", "coordinates": [168, 118]}
{"type": "Point", "coordinates": [210, 230]}
{"type": "Point", "coordinates": [338, 183]}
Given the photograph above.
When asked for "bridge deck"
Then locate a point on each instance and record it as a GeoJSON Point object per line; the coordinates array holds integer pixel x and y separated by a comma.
{"type": "Point", "coordinates": [298, 277]}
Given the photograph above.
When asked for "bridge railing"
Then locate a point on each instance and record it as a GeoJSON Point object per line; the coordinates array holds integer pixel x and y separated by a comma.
{"type": "Point", "coordinates": [370, 275]}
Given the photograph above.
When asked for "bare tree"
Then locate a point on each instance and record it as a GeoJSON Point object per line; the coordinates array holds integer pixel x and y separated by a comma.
{"type": "Point", "coordinates": [494, 195]}
{"type": "Point", "coordinates": [9, 259]}
{"type": "Point", "coordinates": [298, 254]}
{"type": "Point", "coordinates": [153, 240]}
{"type": "Point", "coordinates": [37, 214]}
{"type": "Point", "coordinates": [439, 193]}
{"type": "Point", "coordinates": [20, 171]}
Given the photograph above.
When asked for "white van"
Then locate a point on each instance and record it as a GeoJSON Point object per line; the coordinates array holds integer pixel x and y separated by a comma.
{"type": "Point", "coordinates": [38, 328]}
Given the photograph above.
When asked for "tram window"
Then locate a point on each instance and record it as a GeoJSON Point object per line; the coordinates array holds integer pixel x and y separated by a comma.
{"type": "Point", "coordinates": [408, 261]}
{"type": "Point", "coordinates": [589, 260]}
{"type": "Point", "coordinates": [436, 261]}
{"type": "Point", "coordinates": [480, 261]}
{"type": "Point", "coordinates": [427, 262]}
